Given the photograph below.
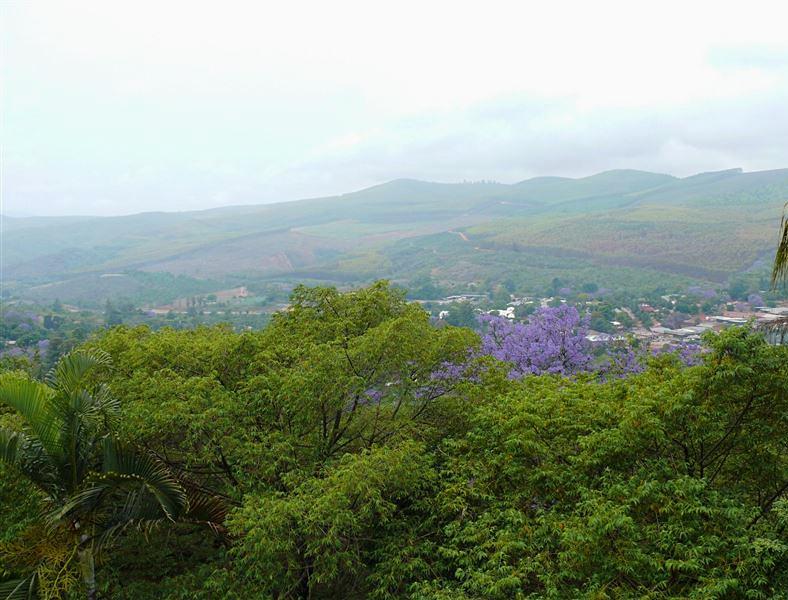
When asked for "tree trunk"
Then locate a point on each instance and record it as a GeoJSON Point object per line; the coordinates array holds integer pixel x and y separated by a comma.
{"type": "Point", "coordinates": [88, 568]}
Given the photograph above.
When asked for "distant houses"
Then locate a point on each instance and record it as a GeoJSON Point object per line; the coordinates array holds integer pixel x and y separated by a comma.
{"type": "Point", "coordinates": [508, 312]}
{"type": "Point", "coordinates": [654, 331]}
{"type": "Point", "coordinates": [462, 298]}
{"type": "Point", "coordinates": [604, 338]}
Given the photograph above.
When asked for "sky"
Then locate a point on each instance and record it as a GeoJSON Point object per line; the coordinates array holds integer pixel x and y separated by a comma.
{"type": "Point", "coordinates": [111, 108]}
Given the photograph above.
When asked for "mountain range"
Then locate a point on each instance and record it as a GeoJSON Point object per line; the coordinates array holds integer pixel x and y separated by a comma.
{"type": "Point", "coordinates": [612, 227]}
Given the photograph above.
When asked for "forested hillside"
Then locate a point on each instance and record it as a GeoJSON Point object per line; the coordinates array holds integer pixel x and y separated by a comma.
{"type": "Point", "coordinates": [353, 449]}
{"type": "Point", "coordinates": [625, 224]}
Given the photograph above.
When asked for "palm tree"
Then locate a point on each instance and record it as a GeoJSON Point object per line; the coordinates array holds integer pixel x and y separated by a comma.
{"type": "Point", "coordinates": [779, 327]}
{"type": "Point", "coordinates": [92, 486]}
{"type": "Point", "coordinates": [780, 269]}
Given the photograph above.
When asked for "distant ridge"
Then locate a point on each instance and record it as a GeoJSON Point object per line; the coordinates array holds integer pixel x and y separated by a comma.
{"type": "Point", "coordinates": [706, 226]}
{"type": "Point", "coordinates": [619, 178]}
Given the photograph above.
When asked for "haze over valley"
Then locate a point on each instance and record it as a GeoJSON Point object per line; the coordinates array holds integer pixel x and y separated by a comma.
{"type": "Point", "coordinates": [626, 224]}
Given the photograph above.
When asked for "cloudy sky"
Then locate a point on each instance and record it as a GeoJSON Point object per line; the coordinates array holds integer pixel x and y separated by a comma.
{"type": "Point", "coordinates": [121, 107]}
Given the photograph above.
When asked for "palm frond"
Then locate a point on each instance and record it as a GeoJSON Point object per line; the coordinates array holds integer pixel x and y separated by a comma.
{"type": "Point", "coordinates": [33, 401]}
{"type": "Point", "coordinates": [82, 425]}
{"type": "Point", "coordinates": [19, 589]}
{"type": "Point", "coordinates": [11, 444]}
{"type": "Point", "coordinates": [132, 478]}
{"type": "Point", "coordinates": [122, 461]}
{"type": "Point", "coordinates": [109, 535]}
{"type": "Point", "coordinates": [106, 407]}
{"type": "Point", "coordinates": [206, 509]}
{"type": "Point", "coordinates": [780, 269]}
{"type": "Point", "coordinates": [69, 373]}
{"type": "Point", "coordinates": [27, 455]}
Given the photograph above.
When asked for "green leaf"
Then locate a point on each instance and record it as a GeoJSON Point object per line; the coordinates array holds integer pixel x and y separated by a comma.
{"type": "Point", "coordinates": [33, 400]}
{"type": "Point", "coordinates": [69, 374]}
{"type": "Point", "coordinates": [19, 589]}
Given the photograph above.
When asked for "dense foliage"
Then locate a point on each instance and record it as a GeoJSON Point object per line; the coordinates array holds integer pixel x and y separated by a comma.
{"type": "Point", "coordinates": [90, 484]}
{"type": "Point", "coordinates": [365, 455]}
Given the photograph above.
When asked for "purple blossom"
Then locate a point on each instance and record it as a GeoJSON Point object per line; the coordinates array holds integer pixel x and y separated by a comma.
{"type": "Point", "coordinates": [755, 300]}
{"type": "Point", "coordinates": [446, 377]}
{"type": "Point", "coordinates": [552, 341]}
{"type": "Point", "coordinates": [373, 396]}
{"type": "Point", "coordinates": [449, 372]}
{"type": "Point", "coordinates": [622, 361]}
{"type": "Point", "coordinates": [698, 291]}
{"type": "Point", "coordinates": [674, 320]}
{"type": "Point", "coordinates": [689, 354]}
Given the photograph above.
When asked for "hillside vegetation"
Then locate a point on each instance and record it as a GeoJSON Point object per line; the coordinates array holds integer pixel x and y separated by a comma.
{"type": "Point", "coordinates": [705, 227]}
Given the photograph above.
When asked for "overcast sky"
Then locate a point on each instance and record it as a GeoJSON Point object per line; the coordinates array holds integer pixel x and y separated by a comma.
{"type": "Point", "coordinates": [121, 107]}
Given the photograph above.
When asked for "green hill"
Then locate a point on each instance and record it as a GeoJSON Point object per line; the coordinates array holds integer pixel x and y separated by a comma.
{"type": "Point", "coordinates": [708, 227]}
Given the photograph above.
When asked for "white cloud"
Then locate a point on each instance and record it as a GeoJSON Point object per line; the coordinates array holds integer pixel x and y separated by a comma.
{"type": "Point", "coordinates": [116, 108]}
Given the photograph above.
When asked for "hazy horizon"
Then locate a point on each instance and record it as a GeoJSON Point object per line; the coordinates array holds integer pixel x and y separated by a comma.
{"type": "Point", "coordinates": [22, 215]}
{"type": "Point", "coordinates": [110, 110]}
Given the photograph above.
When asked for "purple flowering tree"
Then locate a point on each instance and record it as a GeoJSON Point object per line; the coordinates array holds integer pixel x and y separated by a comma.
{"type": "Point", "coordinates": [689, 354]}
{"type": "Point", "coordinates": [622, 360]}
{"type": "Point", "coordinates": [755, 300]}
{"type": "Point", "coordinates": [552, 341]}
{"type": "Point", "coordinates": [700, 292]}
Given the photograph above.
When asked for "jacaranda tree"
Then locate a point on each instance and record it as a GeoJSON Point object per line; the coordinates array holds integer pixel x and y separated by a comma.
{"type": "Point", "coordinates": [552, 341]}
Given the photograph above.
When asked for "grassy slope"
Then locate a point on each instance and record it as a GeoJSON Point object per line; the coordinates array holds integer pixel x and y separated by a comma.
{"type": "Point", "coordinates": [706, 226]}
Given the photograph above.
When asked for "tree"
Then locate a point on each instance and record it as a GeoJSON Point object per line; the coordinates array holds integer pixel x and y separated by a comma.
{"type": "Point", "coordinates": [654, 485]}
{"type": "Point", "coordinates": [57, 347]}
{"type": "Point", "coordinates": [92, 486]}
{"type": "Point", "coordinates": [353, 355]}
{"type": "Point", "coordinates": [738, 289]}
{"type": "Point", "coordinates": [779, 327]}
{"type": "Point", "coordinates": [675, 320]}
{"type": "Point", "coordinates": [461, 314]}
{"type": "Point", "coordinates": [668, 484]}
{"type": "Point", "coordinates": [590, 288]}
{"type": "Point", "coordinates": [552, 341]}
{"type": "Point", "coordinates": [370, 454]}
{"type": "Point", "coordinates": [112, 316]}
{"type": "Point", "coordinates": [501, 298]}
{"type": "Point", "coordinates": [523, 310]}
{"type": "Point", "coordinates": [780, 268]}
{"type": "Point", "coordinates": [424, 288]}
{"type": "Point", "coordinates": [708, 307]}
